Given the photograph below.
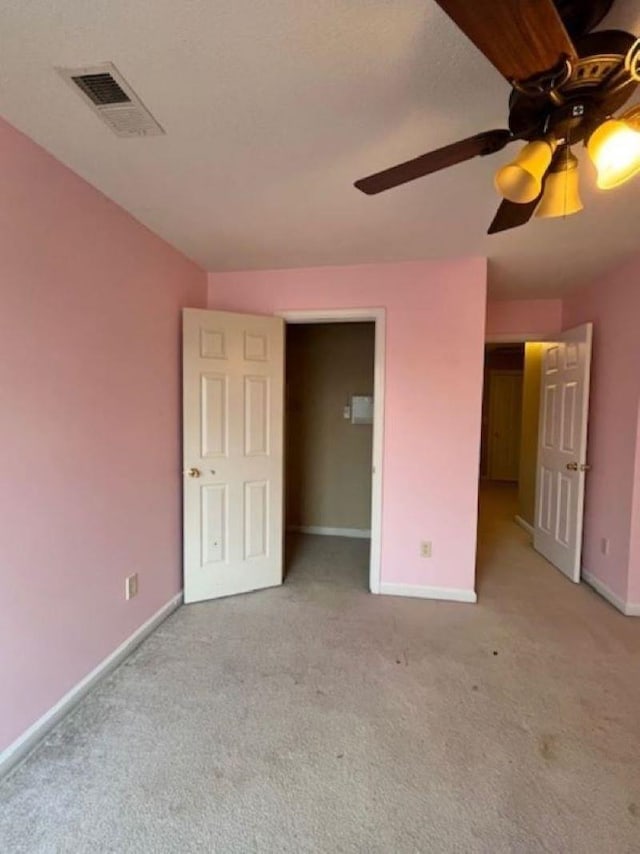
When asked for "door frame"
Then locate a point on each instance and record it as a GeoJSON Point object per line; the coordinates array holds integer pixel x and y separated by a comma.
{"type": "Point", "coordinates": [518, 338]}
{"type": "Point", "coordinates": [524, 338]}
{"type": "Point", "coordinates": [378, 317]}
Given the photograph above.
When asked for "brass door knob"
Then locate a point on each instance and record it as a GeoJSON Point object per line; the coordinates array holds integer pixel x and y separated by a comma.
{"type": "Point", "coordinates": [572, 466]}
{"type": "Point", "coordinates": [193, 472]}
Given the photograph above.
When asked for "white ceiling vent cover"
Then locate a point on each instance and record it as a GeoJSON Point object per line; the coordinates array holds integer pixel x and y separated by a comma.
{"type": "Point", "coordinates": [110, 96]}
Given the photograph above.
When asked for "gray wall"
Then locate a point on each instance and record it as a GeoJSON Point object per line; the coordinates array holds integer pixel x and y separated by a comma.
{"type": "Point", "coordinates": [328, 459]}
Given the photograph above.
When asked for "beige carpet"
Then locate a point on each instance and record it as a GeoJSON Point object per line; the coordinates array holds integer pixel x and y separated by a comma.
{"type": "Point", "coordinates": [318, 718]}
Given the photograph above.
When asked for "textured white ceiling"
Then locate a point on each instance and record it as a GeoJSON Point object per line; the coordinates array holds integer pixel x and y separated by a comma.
{"type": "Point", "coordinates": [273, 108]}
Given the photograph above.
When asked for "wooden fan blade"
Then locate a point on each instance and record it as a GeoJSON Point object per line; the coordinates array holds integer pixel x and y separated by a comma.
{"type": "Point", "coordinates": [521, 38]}
{"type": "Point", "coordinates": [511, 215]}
{"type": "Point", "coordinates": [473, 146]}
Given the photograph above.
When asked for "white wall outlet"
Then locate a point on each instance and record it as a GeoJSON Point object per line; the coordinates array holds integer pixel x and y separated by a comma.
{"type": "Point", "coordinates": [425, 548]}
{"type": "Point", "coordinates": [131, 586]}
{"type": "Point", "coordinates": [604, 545]}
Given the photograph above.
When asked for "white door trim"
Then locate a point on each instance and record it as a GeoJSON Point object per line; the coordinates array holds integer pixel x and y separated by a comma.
{"type": "Point", "coordinates": [362, 315]}
{"type": "Point", "coordinates": [518, 337]}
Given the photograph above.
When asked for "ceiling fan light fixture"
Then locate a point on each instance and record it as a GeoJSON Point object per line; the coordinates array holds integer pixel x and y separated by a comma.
{"type": "Point", "coordinates": [614, 149]}
{"type": "Point", "coordinates": [561, 195]}
{"type": "Point", "coordinates": [521, 180]}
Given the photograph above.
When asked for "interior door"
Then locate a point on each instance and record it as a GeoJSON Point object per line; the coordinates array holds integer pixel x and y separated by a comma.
{"type": "Point", "coordinates": [562, 449]}
{"type": "Point", "coordinates": [233, 378]}
{"type": "Point", "coordinates": [505, 422]}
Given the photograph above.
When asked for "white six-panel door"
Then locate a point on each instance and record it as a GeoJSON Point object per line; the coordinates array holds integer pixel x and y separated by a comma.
{"type": "Point", "coordinates": [233, 378]}
{"type": "Point", "coordinates": [562, 449]}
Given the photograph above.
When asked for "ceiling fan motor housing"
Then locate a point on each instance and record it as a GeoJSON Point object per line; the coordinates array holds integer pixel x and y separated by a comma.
{"type": "Point", "coordinates": [598, 84]}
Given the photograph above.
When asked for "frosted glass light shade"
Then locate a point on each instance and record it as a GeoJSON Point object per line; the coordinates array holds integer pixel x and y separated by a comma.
{"type": "Point", "coordinates": [521, 180]}
{"type": "Point", "coordinates": [614, 149]}
{"type": "Point", "coordinates": [561, 195]}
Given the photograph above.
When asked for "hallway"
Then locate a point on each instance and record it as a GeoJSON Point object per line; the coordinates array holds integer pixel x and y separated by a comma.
{"type": "Point", "coordinates": [316, 717]}
{"type": "Point", "coordinates": [509, 571]}
{"type": "Point", "coordinates": [506, 560]}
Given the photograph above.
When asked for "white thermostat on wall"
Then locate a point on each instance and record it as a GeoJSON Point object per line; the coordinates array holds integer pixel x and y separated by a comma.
{"type": "Point", "coordinates": [361, 409]}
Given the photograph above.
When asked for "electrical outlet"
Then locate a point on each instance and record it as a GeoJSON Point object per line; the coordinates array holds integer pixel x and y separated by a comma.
{"type": "Point", "coordinates": [604, 545]}
{"type": "Point", "coordinates": [131, 586]}
{"type": "Point", "coordinates": [425, 548]}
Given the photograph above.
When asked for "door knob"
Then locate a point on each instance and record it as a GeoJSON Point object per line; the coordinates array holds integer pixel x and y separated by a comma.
{"type": "Point", "coordinates": [585, 467]}
{"type": "Point", "coordinates": [572, 466]}
{"type": "Point", "coordinates": [193, 472]}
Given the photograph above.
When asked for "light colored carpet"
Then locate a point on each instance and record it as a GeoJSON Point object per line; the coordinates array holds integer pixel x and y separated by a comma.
{"type": "Point", "coordinates": [318, 718]}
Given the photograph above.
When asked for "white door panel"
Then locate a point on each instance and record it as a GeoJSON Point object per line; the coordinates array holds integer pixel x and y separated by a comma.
{"type": "Point", "coordinates": [233, 378]}
{"type": "Point", "coordinates": [562, 449]}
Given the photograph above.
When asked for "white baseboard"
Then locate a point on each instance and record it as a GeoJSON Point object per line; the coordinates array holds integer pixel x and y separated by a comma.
{"type": "Point", "coordinates": [452, 594]}
{"type": "Point", "coordinates": [359, 533]}
{"type": "Point", "coordinates": [603, 590]}
{"type": "Point", "coordinates": [524, 524]}
{"type": "Point", "coordinates": [18, 751]}
{"type": "Point", "coordinates": [629, 609]}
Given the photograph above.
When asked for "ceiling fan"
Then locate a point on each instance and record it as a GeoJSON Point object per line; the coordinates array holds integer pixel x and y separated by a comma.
{"type": "Point", "coordinates": [567, 83]}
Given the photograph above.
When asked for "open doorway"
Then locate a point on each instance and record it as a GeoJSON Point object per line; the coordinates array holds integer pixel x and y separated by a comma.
{"type": "Point", "coordinates": [509, 444]}
{"type": "Point", "coordinates": [329, 439]}
{"type": "Point", "coordinates": [510, 417]}
{"type": "Point", "coordinates": [539, 398]}
{"type": "Point", "coordinates": [233, 446]}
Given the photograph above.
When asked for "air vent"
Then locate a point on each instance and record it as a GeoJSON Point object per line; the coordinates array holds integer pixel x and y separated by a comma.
{"type": "Point", "coordinates": [101, 88]}
{"type": "Point", "coordinates": [110, 96]}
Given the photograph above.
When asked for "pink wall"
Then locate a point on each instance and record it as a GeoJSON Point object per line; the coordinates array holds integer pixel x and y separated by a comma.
{"type": "Point", "coordinates": [89, 432]}
{"type": "Point", "coordinates": [613, 484]}
{"type": "Point", "coordinates": [434, 360]}
{"type": "Point", "coordinates": [634, 546]}
{"type": "Point", "coordinates": [518, 317]}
